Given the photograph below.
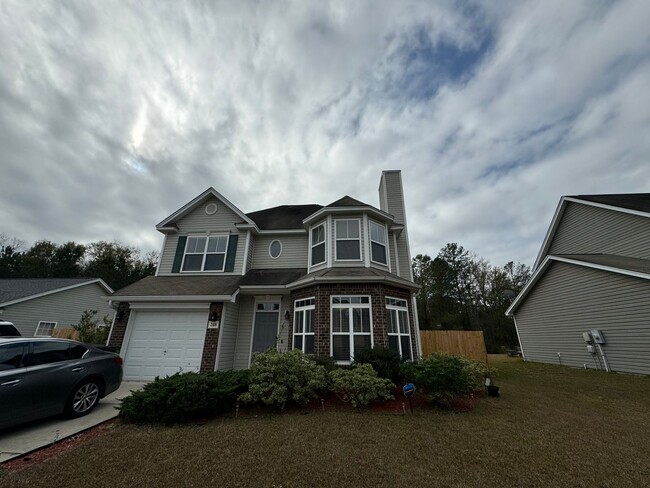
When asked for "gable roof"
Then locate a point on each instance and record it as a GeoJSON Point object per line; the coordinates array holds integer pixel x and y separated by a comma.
{"type": "Point", "coordinates": [636, 267]}
{"type": "Point", "coordinates": [188, 207]}
{"type": "Point", "coordinates": [631, 203]}
{"type": "Point", "coordinates": [283, 216]}
{"type": "Point", "coordinates": [16, 290]}
{"type": "Point", "coordinates": [348, 201]}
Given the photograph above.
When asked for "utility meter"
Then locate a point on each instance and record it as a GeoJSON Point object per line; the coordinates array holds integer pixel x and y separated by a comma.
{"type": "Point", "coordinates": [587, 337]}
{"type": "Point", "coordinates": [598, 336]}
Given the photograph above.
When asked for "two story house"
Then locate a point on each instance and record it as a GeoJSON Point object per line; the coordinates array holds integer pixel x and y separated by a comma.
{"type": "Point", "coordinates": [328, 280]}
{"type": "Point", "coordinates": [587, 303]}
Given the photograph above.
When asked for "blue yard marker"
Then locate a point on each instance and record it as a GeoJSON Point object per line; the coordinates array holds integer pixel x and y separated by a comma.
{"type": "Point", "coordinates": [409, 391]}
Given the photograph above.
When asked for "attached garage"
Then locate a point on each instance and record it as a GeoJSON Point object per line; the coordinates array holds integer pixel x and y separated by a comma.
{"type": "Point", "coordinates": [161, 343]}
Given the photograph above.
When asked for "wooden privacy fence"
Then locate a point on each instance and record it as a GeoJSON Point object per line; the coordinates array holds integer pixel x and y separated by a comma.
{"type": "Point", "coordinates": [65, 333]}
{"type": "Point", "coordinates": [466, 343]}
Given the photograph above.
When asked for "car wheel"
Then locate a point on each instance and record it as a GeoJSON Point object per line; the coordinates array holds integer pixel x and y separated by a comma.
{"type": "Point", "coordinates": [83, 399]}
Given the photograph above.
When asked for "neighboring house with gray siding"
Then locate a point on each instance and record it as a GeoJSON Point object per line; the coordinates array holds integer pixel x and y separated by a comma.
{"type": "Point", "coordinates": [36, 306]}
{"type": "Point", "coordinates": [328, 280]}
{"type": "Point", "coordinates": [588, 301]}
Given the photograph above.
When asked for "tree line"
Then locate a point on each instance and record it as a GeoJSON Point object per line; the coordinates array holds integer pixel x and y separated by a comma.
{"type": "Point", "coordinates": [117, 264]}
{"type": "Point", "coordinates": [463, 291]}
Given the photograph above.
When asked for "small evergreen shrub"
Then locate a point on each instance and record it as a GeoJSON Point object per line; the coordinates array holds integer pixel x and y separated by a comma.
{"type": "Point", "coordinates": [90, 331]}
{"type": "Point", "coordinates": [280, 378]}
{"type": "Point", "coordinates": [443, 377]}
{"type": "Point", "coordinates": [386, 362]}
{"type": "Point", "coordinates": [326, 361]}
{"type": "Point", "coordinates": [184, 397]}
{"type": "Point", "coordinates": [360, 385]}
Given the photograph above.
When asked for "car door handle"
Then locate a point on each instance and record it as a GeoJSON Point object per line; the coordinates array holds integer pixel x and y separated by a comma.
{"type": "Point", "coordinates": [10, 383]}
{"type": "Point", "coordinates": [76, 370]}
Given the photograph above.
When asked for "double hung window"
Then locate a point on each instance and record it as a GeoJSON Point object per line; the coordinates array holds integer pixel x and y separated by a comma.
{"type": "Point", "coordinates": [205, 253]}
{"type": "Point", "coordinates": [348, 241]}
{"type": "Point", "coordinates": [318, 244]}
{"type": "Point", "coordinates": [351, 326]}
{"type": "Point", "coordinates": [378, 243]}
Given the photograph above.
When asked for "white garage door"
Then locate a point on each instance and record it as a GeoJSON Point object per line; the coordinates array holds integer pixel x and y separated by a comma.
{"type": "Point", "coordinates": [164, 343]}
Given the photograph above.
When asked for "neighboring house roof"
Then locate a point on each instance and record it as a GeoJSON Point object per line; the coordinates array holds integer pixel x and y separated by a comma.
{"type": "Point", "coordinates": [636, 267]}
{"type": "Point", "coordinates": [17, 290]}
{"type": "Point", "coordinates": [353, 275]}
{"type": "Point", "coordinates": [632, 203]}
{"type": "Point", "coordinates": [173, 287]}
{"type": "Point", "coordinates": [283, 216]}
{"type": "Point", "coordinates": [272, 277]}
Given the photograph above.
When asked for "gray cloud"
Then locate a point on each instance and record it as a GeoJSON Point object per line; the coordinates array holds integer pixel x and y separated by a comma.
{"type": "Point", "coordinates": [114, 114]}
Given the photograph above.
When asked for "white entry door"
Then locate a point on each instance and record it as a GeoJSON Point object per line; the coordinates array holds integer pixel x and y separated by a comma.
{"type": "Point", "coordinates": [164, 343]}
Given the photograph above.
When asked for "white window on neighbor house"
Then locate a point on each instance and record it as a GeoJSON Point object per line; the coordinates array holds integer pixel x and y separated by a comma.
{"type": "Point", "coordinates": [378, 243]}
{"type": "Point", "coordinates": [399, 337]}
{"type": "Point", "coordinates": [348, 240]}
{"type": "Point", "coordinates": [303, 325]}
{"type": "Point", "coordinates": [44, 329]}
{"type": "Point", "coordinates": [203, 253]}
{"type": "Point", "coordinates": [351, 326]}
{"type": "Point", "coordinates": [318, 244]}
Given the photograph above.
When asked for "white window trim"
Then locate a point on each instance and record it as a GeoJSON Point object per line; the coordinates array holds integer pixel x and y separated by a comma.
{"type": "Point", "coordinates": [271, 255]}
{"type": "Point", "coordinates": [205, 253]}
{"type": "Point", "coordinates": [304, 334]}
{"type": "Point", "coordinates": [36, 334]}
{"type": "Point", "coordinates": [312, 245]}
{"type": "Point", "coordinates": [351, 332]}
{"type": "Point", "coordinates": [399, 334]}
{"type": "Point", "coordinates": [370, 222]}
{"type": "Point", "coordinates": [336, 239]}
{"type": "Point", "coordinates": [257, 301]}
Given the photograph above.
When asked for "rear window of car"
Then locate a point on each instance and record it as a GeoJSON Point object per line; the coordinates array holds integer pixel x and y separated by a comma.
{"type": "Point", "coordinates": [47, 352]}
{"type": "Point", "coordinates": [10, 356]}
{"type": "Point", "coordinates": [9, 330]}
{"type": "Point", "coordinates": [77, 351]}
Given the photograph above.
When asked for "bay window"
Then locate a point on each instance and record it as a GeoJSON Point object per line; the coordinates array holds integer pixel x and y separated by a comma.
{"type": "Point", "coordinates": [318, 244]}
{"type": "Point", "coordinates": [348, 240]}
{"type": "Point", "coordinates": [378, 243]}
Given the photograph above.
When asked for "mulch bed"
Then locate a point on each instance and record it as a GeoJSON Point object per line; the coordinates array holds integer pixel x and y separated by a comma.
{"type": "Point", "coordinates": [58, 448]}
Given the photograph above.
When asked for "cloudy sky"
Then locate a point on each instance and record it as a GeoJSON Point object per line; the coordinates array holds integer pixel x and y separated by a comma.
{"type": "Point", "coordinates": [114, 114]}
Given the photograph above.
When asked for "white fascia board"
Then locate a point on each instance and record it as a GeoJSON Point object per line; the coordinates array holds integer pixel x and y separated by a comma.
{"type": "Point", "coordinates": [354, 279]}
{"type": "Point", "coordinates": [284, 231]}
{"type": "Point", "coordinates": [172, 298]}
{"type": "Point", "coordinates": [380, 214]}
{"type": "Point", "coordinates": [265, 290]}
{"type": "Point", "coordinates": [547, 261]}
{"type": "Point", "coordinates": [196, 201]}
{"type": "Point", "coordinates": [99, 281]}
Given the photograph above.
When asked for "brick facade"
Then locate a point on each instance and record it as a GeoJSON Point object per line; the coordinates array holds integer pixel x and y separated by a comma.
{"type": "Point", "coordinates": [377, 292]}
{"type": "Point", "coordinates": [211, 343]}
{"type": "Point", "coordinates": [119, 326]}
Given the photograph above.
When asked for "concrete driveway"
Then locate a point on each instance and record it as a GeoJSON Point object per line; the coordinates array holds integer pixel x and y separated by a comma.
{"type": "Point", "coordinates": [23, 439]}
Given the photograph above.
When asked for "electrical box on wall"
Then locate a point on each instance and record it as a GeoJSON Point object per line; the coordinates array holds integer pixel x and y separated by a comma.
{"type": "Point", "coordinates": [598, 336]}
{"type": "Point", "coordinates": [587, 337]}
{"type": "Point", "coordinates": [591, 349]}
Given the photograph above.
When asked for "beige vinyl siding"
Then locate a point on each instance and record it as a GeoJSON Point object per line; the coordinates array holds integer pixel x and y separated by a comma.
{"type": "Point", "coordinates": [198, 222]}
{"type": "Point", "coordinates": [395, 198]}
{"type": "Point", "coordinates": [294, 252]}
{"type": "Point", "coordinates": [404, 258]}
{"type": "Point", "coordinates": [228, 338]}
{"type": "Point", "coordinates": [584, 229]}
{"type": "Point", "coordinates": [392, 251]}
{"type": "Point", "coordinates": [64, 308]}
{"type": "Point", "coordinates": [244, 330]}
{"type": "Point", "coordinates": [332, 248]}
{"type": "Point", "coordinates": [569, 300]}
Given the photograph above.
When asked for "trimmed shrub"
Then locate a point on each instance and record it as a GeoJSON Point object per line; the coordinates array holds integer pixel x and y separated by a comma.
{"type": "Point", "coordinates": [360, 385]}
{"type": "Point", "coordinates": [280, 378]}
{"type": "Point", "coordinates": [385, 362]}
{"type": "Point", "coordinates": [326, 361]}
{"type": "Point", "coordinates": [184, 397]}
{"type": "Point", "coordinates": [443, 377]}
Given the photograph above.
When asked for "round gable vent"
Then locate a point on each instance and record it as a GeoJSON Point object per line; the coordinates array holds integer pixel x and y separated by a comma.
{"type": "Point", "coordinates": [211, 208]}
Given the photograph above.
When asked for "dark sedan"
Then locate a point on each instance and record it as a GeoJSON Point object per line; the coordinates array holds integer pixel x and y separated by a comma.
{"type": "Point", "coordinates": [41, 377]}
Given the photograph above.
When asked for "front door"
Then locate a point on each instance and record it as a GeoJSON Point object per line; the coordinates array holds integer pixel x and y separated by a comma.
{"type": "Point", "coordinates": [265, 326]}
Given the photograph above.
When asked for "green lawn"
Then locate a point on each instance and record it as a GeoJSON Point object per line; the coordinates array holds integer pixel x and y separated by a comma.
{"type": "Point", "coordinates": [552, 427]}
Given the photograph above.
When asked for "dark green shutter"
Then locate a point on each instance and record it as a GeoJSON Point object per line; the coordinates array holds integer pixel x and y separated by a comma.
{"type": "Point", "coordinates": [180, 250]}
{"type": "Point", "coordinates": [230, 254]}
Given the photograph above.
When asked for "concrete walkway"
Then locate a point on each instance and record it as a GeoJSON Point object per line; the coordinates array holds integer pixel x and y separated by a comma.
{"type": "Point", "coordinates": [23, 439]}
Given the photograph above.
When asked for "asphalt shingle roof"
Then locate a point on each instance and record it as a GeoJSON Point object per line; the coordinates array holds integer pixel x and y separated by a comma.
{"type": "Point", "coordinates": [283, 217]}
{"type": "Point", "coordinates": [264, 277]}
{"type": "Point", "coordinates": [181, 286]}
{"type": "Point", "coordinates": [15, 289]}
